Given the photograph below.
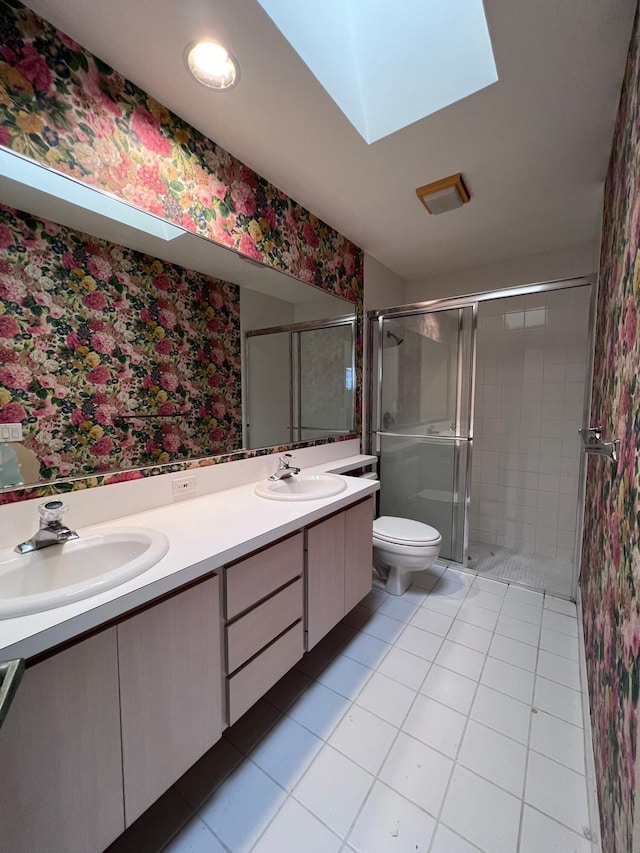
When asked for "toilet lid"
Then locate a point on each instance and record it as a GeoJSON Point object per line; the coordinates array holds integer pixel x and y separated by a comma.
{"type": "Point", "coordinates": [388, 528]}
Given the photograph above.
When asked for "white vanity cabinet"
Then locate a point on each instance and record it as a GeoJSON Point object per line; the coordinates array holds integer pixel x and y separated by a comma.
{"type": "Point", "coordinates": [60, 759]}
{"type": "Point", "coordinates": [339, 567]}
{"type": "Point", "coordinates": [170, 691]}
{"type": "Point", "coordinates": [264, 631]}
{"type": "Point", "coordinates": [103, 725]}
{"type": "Point", "coordinates": [98, 731]}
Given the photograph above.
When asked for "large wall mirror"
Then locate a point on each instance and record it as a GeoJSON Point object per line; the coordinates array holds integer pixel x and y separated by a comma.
{"type": "Point", "coordinates": [127, 342]}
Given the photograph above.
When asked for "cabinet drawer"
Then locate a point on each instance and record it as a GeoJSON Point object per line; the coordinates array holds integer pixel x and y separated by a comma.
{"type": "Point", "coordinates": [255, 629]}
{"type": "Point", "coordinates": [252, 682]}
{"type": "Point", "coordinates": [250, 580]}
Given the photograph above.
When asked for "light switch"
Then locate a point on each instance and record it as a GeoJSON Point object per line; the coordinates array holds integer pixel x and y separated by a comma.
{"type": "Point", "coordinates": [10, 432]}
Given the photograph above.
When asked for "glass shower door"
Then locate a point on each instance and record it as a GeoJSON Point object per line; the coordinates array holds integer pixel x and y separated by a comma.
{"type": "Point", "coordinates": [424, 435]}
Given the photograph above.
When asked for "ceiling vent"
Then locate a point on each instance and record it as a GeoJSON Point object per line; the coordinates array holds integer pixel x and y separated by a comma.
{"type": "Point", "coordinates": [445, 194]}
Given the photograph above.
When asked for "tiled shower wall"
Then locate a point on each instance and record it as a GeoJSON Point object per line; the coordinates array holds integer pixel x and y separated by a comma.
{"type": "Point", "coordinates": [530, 380]}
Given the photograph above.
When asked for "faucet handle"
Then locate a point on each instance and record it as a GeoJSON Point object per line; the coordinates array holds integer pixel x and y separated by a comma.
{"type": "Point", "coordinates": [52, 511]}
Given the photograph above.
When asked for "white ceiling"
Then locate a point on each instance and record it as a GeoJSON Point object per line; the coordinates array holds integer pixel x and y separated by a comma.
{"type": "Point", "coordinates": [378, 83]}
{"type": "Point", "coordinates": [533, 147]}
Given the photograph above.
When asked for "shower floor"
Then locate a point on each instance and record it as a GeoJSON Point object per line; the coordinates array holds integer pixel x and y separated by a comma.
{"type": "Point", "coordinates": [551, 574]}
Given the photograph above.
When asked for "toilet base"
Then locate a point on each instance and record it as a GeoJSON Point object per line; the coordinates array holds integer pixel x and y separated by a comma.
{"type": "Point", "coordinates": [398, 580]}
{"type": "Point", "coordinates": [415, 549]}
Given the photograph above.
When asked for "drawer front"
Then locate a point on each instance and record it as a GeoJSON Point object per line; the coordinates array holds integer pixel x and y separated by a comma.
{"type": "Point", "coordinates": [255, 629]}
{"type": "Point", "coordinates": [252, 682]}
{"type": "Point", "coordinates": [257, 577]}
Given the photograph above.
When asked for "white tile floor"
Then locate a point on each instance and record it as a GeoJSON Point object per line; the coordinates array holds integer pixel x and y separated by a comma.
{"type": "Point", "coordinates": [445, 721]}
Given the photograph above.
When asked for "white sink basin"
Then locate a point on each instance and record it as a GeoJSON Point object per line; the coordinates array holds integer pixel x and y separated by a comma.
{"type": "Point", "coordinates": [302, 487]}
{"type": "Point", "coordinates": [78, 569]}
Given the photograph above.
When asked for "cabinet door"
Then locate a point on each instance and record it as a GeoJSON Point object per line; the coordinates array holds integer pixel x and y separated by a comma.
{"type": "Point", "coordinates": [60, 760]}
{"type": "Point", "coordinates": [358, 560]}
{"type": "Point", "coordinates": [325, 577]}
{"type": "Point", "coordinates": [170, 691]}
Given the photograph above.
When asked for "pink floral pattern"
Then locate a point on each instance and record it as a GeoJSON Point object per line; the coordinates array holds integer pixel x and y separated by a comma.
{"type": "Point", "coordinates": [68, 110]}
{"type": "Point", "coordinates": [610, 575]}
{"type": "Point", "coordinates": [91, 331]}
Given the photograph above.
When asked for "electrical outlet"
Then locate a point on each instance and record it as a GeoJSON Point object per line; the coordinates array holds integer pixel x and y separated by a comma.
{"type": "Point", "coordinates": [183, 488]}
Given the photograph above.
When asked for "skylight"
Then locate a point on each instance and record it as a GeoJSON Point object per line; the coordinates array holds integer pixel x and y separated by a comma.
{"type": "Point", "coordinates": [387, 65]}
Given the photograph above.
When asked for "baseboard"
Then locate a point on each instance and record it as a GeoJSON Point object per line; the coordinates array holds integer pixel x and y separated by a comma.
{"type": "Point", "coordinates": [590, 767]}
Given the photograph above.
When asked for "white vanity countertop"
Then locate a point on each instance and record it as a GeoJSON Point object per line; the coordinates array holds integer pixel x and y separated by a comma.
{"type": "Point", "coordinates": [204, 534]}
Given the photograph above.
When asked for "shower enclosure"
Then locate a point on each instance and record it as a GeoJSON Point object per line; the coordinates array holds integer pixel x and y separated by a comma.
{"type": "Point", "coordinates": [475, 406]}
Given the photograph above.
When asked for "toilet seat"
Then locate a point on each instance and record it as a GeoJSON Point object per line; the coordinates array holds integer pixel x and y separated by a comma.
{"type": "Point", "coordinates": [404, 531]}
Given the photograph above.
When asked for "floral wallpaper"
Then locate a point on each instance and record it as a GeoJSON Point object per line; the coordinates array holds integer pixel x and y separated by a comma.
{"type": "Point", "coordinates": [610, 575]}
{"type": "Point", "coordinates": [66, 109]}
{"type": "Point", "coordinates": [91, 331]}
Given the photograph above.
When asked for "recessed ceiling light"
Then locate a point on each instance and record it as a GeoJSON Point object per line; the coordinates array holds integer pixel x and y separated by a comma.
{"type": "Point", "coordinates": [212, 65]}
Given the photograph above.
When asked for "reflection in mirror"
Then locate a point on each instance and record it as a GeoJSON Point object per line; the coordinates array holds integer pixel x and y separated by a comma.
{"type": "Point", "coordinates": [299, 382]}
{"type": "Point", "coordinates": [325, 384]}
{"type": "Point", "coordinates": [121, 348]}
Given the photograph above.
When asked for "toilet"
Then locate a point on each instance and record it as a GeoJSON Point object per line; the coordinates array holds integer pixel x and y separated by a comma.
{"type": "Point", "coordinates": [402, 546]}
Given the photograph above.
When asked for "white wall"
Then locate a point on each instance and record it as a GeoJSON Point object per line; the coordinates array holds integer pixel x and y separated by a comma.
{"type": "Point", "coordinates": [259, 311]}
{"type": "Point", "coordinates": [318, 309]}
{"type": "Point", "coordinates": [382, 288]}
{"type": "Point", "coordinates": [545, 266]}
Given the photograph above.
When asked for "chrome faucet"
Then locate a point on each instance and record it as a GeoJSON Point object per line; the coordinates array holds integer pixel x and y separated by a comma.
{"type": "Point", "coordinates": [285, 470]}
{"type": "Point", "coordinates": [51, 530]}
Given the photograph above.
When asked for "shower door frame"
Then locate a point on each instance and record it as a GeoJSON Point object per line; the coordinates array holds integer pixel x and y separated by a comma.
{"type": "Point", "coordinates": [372, 432]}
{"type": "Point", "coordinates": [441, 439]}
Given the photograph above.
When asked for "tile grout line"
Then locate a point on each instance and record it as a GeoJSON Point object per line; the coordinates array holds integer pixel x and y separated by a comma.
{"type": "Point", "coordinates": [345, 844]}
{"type": "Point", "coordinates": [487, 655]}
{"type": "Point", "coordinates": [464, 731]}
{"type": "Point", "coordinates": [462, 737]}
{"type": "Point", "coordinates": [376, 777]}
{"type": "Point", "coordinates": [533, 698]}
{"type": "Point", "coordinates": [356, 630]}
{"type": "Point", "coordinates": [395, 739]}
